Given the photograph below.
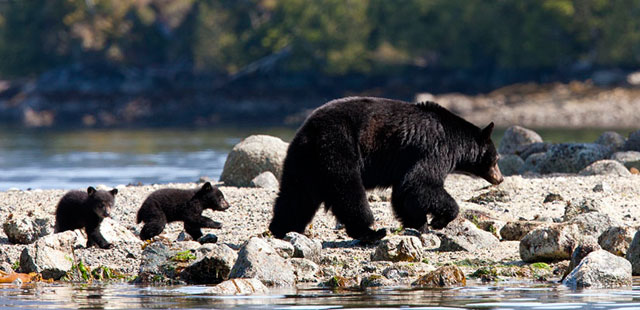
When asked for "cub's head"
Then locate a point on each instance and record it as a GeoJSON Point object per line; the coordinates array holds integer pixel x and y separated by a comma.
{"type": "Point", "coordinates": [210, 197]}
{"type": "Point", "coordinates": [486, 165]}
{"type": "Point", "coordinates": [101, 201]}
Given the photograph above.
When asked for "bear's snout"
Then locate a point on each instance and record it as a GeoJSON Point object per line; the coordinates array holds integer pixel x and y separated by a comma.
{"type": "Point", "coordinates": [223, 205]}
{"type": "Point", "coordinates": [494, 176]}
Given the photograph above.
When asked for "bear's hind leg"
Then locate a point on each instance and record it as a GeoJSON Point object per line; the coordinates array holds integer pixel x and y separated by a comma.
{"type": "Point", "coordinates": [153, 227]}
{"type": "Point", "coordinates": [412, 206]}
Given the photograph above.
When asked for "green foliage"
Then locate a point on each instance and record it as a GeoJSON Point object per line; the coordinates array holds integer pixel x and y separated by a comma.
{"type": "Point", "coordinates": [183, 256]}
{"type": "Point", "coordinates": [16, 265]}
{"type": "Point", "coordinates": [543, 266]}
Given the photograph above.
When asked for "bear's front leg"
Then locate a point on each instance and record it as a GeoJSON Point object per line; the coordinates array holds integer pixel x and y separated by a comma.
{"type": "Point", "coordinates": [95, 237]}
{"type": "Point", "coordinates": [202, 221]}
{"type": "Point", "coordinates": [193, 229]}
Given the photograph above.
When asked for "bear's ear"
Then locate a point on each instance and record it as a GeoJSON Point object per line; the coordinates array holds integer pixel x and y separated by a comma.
{"type": "Point", "coordinates": [486, 132]}
{"type": "Point", "coordinates": [207, 187]}
{"type": "Point", "coordinates": [91, 190]}
{"type": "Point", "coordinates": [113, 191]}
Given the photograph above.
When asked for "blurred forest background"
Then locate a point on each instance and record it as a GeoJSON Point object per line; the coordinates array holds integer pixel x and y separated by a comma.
{"type": "Point", "coordinates": [210, 62]}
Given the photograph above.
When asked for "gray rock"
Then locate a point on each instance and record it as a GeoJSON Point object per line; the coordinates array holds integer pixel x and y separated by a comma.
{"type": "Point", "coordinates": [602, 187]}
{"type": "Point", "coordinates": [213, 265]}
{"type": "Point", "coordinates": [27, 228]}
{"type": "Point", "coordinates": [605, 167]}
{"type": "Point", "coordinates": [462, 235]}
{"type": "Point", "coordinates": [375, 280]}
{"type": "Point", "coordinates": [593, 223]}
{"type": "Point", "coordinates": [571, 157]}
{"type": "Point", "coordinates": [305, 270]}
{"type": "Point", "coordinates": [208, 238]}
{"type": "Point", "coordinates": [516, 136]}
{"type": "Point", "coordinates": [551, 243]}
{"type": "Point", "coordinates": [600, 269]}
{"type": "Point", "coordinates": [532, 162]}
{"type": "Point", "coordinates": [251, 157]}
{"type": "Point", "coordinates": [616, 240]}
{"type": "Point", "coordinates": [633, 254]}
{"type": "Point", "coordinates": [586, 246]}
{"type": "Point", "coordinates": [154, 264]}
{"type": "Point", "coordinates": [608, 77]}
{"type": "Point", "coordinates": [238, 287]}
{"type": "Point", "coordinates": [633, 143]}
{"type": "Point", "coordinates": [304, 247]}
{"type": "Point", "coordinates": [399, 249]}
{"type": "Point", "coordinates": [611, 139]}
{"type": "Point", "coordinates": [265, 180]}
{"type": "Point", "coordinates": [524, 151]}
{"type": "Point", "coordinates": [52, 255]}
{"type": "Point", "coordinates": [514, 231]}
{"type": "Point", "coordinates": [115, 233]}
{"type": "Point", "coordinates": [510, 164]}
{"type": "Point", "coordinates": [430, 241]}
{"type": "Point", "coordinates": [626, 156]}
{"type": "Point", "coordinates": [575, 208]}
{"type": "Point", "coordinates": [283, 248]}
{"type": "Point", "coordinates": [257, 259]}
{"type": "Point", "coordinates": [445, 276]}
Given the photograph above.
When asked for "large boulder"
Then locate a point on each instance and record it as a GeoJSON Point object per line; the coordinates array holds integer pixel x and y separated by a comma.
{"type": "Point", "coordinates": [516, 136]}
{"type": "Point", "coordinates": [399, 249]}
{"type": "Point", "coordinates": [524, 151]}
{"type": "Point", "coordinates": [52, 255]}
{"type": "Point", "coordinates": [587, 245]}
{"type": "Point", "coordinates": [606, 167]}
{"type": "Point", "coordinates": [251, 157]}
{"type": "Point", "coordinates": [257, 259]}
{"type": "Point", "coordinates": [633, 254]}
{"type": "Point", "coordinates": [510, 164]}
{"type": "Point", "coordinates": [633, 143]}
{"type": "Point", "coordinates": [571, 157]}
{"type": "Point", "coordinates": [616, 239]}
{"type": "Point", "coordinates": [213, 264]}
{"type": "Point", "coordinates": [26, 228]}
{"type": "Point", "coordinates": [462, 235]}
{"type": "Point", "coordinates": [611, 139]}
{"type": "Point", "coordinates": [600, 269]}
{"type": "Point", "coordinates": [550, 243]}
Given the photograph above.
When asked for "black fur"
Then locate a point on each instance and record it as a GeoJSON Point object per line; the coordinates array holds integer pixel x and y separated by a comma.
{"type": "Point", "coordinates": [78, 209]}
{"type": "Point", "coordinates": [358, 143]}
{"type": "Point", "coordinates": [168, 205]}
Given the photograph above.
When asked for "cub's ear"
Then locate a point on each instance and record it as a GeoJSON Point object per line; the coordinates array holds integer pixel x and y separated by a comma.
{"type": "Point", "coordinates": [113, 191]}
{"type": "Point", "coordinates": [91, 190]}
{"type": "Point", "coordinates": [486, 132]}
{"type": "Point", "coordinates": [207, 187]}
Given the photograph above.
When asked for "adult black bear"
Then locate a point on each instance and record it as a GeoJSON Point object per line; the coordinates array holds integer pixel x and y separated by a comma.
{"type": "Point", "coordinates": [168, 205]}
{"type": "Point", "coordinates": [78, 209]}
{"type": "Point", "coordinates": [358, 143]}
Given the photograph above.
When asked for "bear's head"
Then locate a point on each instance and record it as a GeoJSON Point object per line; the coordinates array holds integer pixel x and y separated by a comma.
{"type": "Point", "coordinates": [101, 201]}
{"type": "Point", "coordinates": [210, 197]}
{"type": "Point", "coordinates": [486, 164]}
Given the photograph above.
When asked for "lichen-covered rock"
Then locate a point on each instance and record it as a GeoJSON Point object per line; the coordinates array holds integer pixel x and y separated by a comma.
{"type": "Point", "coordinates": [251, 157]}
{"type": "Point", "coordinates": [304, 247]}
{"type": "Point", "coordinates": [213, 264]}
{"type": "Point", "coordinates": [25, 228]}
{"type": "Point", "coordinates": [514, 231]}
{"type": "Point", "coordinates": [516, 136]}
{"type": "Point", "coordinates": [633, 142]}
{"type": "Point", "coordinates": [550, 243]}
{"type": "Point", "coordinates": [612, 139]}
{"type": "Point", "coordinates": [375, 280]}
{"type": "Point", "coordinates": [462, 235]}
{"type": "Point", "coordinates": [571, 157]}
{"type": "Point", "coordinates": [510, 164]}
{"type": "Point", "coordinates": [399, 249]}
{"type": "Point", "coordinates": [524, 151]}
{"type": "Point", "coordinates": [633, 254]}
{"type": "Point", "coordinates": [238, 287]}
{"type": "Point", "coordinates": [265, 180]}
{"type": "Point", "coordinates": [52, 255]}
{"type": "Point", "coordinates": [257, 259]}
{"type": "Point", "coordinates": [155, 265]}
{"type": "Point", "coordinates": [616, 239]}
{"type": "Point", "coordinates": [305, 270]}
{"type": "Point", "coordinates": [446, 276]}
{"type": "Point", "coordinates": [600, 269]}
{"type": "Point", "coordinates": [531, 164]}
{"type": "Point", "coordinates": [606, 167]}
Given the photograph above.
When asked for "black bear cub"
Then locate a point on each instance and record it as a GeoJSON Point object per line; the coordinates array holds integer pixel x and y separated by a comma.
{"type": "Point", "coordinates": [78, 209]}
{"type": "Point", "coordinates": [353, 144]}
{"type": "Point", "coordinates": [169, 205]}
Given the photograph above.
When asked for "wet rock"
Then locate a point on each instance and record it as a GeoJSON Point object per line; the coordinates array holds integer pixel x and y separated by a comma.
{"type": "Point", "coordinates": [611, 139]}
{"type": "Point", "coordinates": [375, 280]}
{"type": "Point", "coordinates": [52, 255]}
{"type": "Point", "coordinates": [550, 243]}
{"type": "Point", "coordinates": [514, 231]}
{"type": "Point", "coordinates": [633, 142]}
{"type": "Point", "coordinates": [532, 162]}
{"type": "Point", "coordinates": [516, 136]}
{"type": "Point", "coordinates": [399, 249]}
{"type": "Point", "coordinates": [600, 269]}
{"type": "Point", "coordinates": [251, 157]}
{"type": "Point", "coordinates": [571, 157]}
{"type": "Point", "coordinates": [238, 287]}
{"type": "Point", "coordinates": [462, 235]}
{"type": "Point", "coordinates": [26, 228]}
{"type": "Point", "coordinates": [395, 273]}
{"type": "Point", "coordinates": [510, 164]}
{"type": "Point", "coordinates": [305, 270]}
{"type": "Point", "coordinates": [208, 238]}
{"type": "Point", "coordinates": [524, 151]}
{"type": "Point", "coordinates": [257, 259]}
{"type": "Point", "coordinates": [605, 167]}
{"type": "Point", "coordinates": [340, 282]}
{"type": "Point", "coordinates": [586, 205]}
{"type": "Point", "coordinates": [633, 254]}
{"type": "Point", "coordinates": [593, 223]}
{"type": "Point", "coordinates": [155, 265]}
{"type": "Point", "coordinates": [213, 265]}
{"type": "Point", "coordinates": [304, 247]}
{"type": "Point", "coordinates": [283, 248]}
{"type": "Point", "coordinates": [265, 180]}
{"type": "Point", "coordinates": [586, 246]}
{"type": "Point", "coordinates": [446, 276]}
{"type": "Point", "coordinates": [616, 240]}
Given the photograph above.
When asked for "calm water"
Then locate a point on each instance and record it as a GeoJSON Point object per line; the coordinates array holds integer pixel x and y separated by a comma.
{"type": "Point", "coordinates": [504, 296]}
